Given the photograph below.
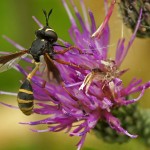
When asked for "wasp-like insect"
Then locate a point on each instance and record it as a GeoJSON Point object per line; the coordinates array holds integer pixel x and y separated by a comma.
{"type": "Point", "coordinates": [42, 45]}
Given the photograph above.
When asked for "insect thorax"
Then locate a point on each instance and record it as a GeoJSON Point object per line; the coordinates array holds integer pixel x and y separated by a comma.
{"type": "Point", "coordinates": [40, 47]}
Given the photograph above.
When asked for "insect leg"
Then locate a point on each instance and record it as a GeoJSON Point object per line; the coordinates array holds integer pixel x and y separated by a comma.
{"type": "Point", "coordinates": [30, 75]}
{"type": "Point", "coordinates": [72, 64]}
{"type": "Point", "coordinates": [68, 49]}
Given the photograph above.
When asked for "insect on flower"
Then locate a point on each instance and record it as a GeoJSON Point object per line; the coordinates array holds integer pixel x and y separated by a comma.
{"type": "Point", "coordinates": [79, 112]}
{"type": "Point", "coordinates": [43, 45]}
{"type": "Point", "coordinates": [105, 75]}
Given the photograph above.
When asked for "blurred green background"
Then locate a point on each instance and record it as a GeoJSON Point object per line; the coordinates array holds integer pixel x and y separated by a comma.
{"type": "Point", "coordinates": [16, 23]}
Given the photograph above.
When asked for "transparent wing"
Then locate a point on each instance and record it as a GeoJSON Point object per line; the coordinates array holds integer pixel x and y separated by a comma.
{"type": "Point", "coordinates": [42, 67]}
{"type": "Point", "coordinates": [9, 61]}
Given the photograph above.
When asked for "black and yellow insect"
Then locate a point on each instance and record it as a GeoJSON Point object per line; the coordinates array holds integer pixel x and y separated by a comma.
{"type": "Point", "coordinates": [25, 97]}
{"type": "Point", "coordinates": [44, 44]}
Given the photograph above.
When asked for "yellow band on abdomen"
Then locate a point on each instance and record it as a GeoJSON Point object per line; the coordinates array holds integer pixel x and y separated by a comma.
{"type": "Point", "coordinates": [25, 91]}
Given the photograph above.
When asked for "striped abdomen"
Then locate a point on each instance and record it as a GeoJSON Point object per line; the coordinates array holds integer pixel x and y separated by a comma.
{"type": "Point", "coordinates": [25, 98]}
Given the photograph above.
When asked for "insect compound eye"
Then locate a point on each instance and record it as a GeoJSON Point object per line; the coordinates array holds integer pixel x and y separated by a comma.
{"type": "Point", "coordinates": [50, 35]}
{"type": "Point", "coordinates": [40, 33]}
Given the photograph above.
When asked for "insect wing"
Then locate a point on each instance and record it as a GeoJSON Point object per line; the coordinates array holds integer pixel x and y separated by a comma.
{"type": "Point", "coordinates": [42, 66]}
{"type": "Point", "coordinates": [52, 71]}
{"type": "Point", "coordinates": [9, 61]}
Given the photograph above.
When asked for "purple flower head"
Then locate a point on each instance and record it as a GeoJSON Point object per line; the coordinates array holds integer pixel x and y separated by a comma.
{"type": "Point", "coordinates": [92, 85]}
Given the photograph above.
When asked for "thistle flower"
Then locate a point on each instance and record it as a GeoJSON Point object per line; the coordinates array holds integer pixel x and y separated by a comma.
{"type": "Point", "coordinates": [130, 11]}
{"type": "Point", "coordinates": [92, 86]}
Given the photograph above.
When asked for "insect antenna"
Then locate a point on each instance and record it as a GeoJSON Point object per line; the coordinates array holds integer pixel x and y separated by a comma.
{"type": "Point", "coordinates": [47, 15]}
